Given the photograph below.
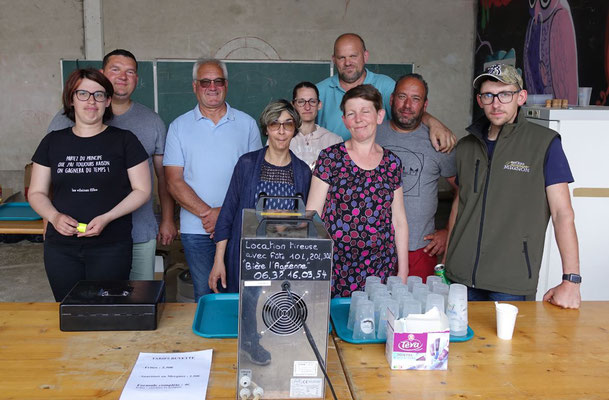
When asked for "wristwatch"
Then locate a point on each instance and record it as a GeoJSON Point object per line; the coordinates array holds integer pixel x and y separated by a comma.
{"type": "Point", "coordinates": [575, 278]}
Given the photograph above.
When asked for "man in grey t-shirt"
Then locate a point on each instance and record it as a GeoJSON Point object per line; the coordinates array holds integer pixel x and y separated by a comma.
{"type": "Point", "coordinates": [120, 67]}
{"type": "Point", "coordinates": [422, 167]}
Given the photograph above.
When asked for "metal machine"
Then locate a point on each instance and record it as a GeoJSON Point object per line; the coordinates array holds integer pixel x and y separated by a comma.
{"type": "Point", "coordinates": [286, 267]}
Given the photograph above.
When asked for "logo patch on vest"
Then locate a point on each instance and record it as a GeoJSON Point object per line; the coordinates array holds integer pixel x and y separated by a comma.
{"type": "Point", "coordinates": [517, 166]}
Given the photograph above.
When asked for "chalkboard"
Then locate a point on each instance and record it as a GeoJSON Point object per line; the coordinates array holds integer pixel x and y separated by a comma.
{"type": "Point", "coordinates": [251, 85]}
{"type": "Point", "coordinates": [394, 71]}
{"type": "Point", "coordinates": [144, 92]}
{"type": "Point", "coordinates": [273, 259]}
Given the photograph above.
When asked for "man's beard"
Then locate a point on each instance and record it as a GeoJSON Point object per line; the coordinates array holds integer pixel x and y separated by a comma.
{"type": "Point", "coordinates": [406, 123]}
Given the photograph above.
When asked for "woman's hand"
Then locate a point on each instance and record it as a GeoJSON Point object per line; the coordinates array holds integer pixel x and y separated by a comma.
{"type": "Point", "coordinates": [217, 272]}
{"type": "Point", "coordinates": [64, 224]}
{"type": "Point", "coordinates": [96, 226]}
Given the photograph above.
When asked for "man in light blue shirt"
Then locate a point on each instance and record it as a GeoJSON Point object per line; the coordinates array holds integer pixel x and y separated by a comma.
{"type": "Point", "coordinates": [202, 148]}
{"type": "Point", "coordinates": [350, 58]}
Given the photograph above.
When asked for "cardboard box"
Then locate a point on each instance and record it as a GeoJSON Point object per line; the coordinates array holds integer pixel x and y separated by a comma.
{"type": "Point", "coordinates": [420, 341]}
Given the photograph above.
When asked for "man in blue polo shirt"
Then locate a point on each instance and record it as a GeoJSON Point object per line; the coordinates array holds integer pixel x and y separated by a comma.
{"type": "Point", "coordinates": [350, 57]}
{"type": "Point", "coordinates": [202, 148]}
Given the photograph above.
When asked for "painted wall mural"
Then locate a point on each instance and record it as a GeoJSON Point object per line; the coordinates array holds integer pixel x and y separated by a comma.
{"type": "Point", "coordinates": [559, 45]}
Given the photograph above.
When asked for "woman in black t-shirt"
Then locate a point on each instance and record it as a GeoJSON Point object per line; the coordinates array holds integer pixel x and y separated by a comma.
{"type": "Point", "coordinates": [98, 175]}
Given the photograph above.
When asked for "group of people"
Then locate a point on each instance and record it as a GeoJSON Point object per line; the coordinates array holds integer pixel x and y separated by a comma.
{"type": "Point", "coordinates": [361, 149]}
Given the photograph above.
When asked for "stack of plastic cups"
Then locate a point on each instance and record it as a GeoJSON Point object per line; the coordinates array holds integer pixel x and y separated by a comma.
{"type": "Point", "coordinates": [363, 326]}
{"type": "Point", "coordinates": [441, 288]}
{"type": "Point", "coordinates": [379, 299]}
{"type": "Point", "coordinates": [378, 289]}
{"type": "Point", "coordinates": [388, 305]}
{"type": "Point", "coordinates": [399, 291]}
{"type": "Point", "coordinates": [433, 280]}
{"type": "Point", "coordinates": [434, 300]}
{"type": "Point", "coordinates": [392, 280]}
{"type": "Point", "coordinates": [409, 306]}
{"type": "Point", "coordinates": [456, 309]}
{"type": "Point", "coordinates": [355, 298]}
{"type": "Point", "coordinates": [412, 280]}
{"type": "Point", "coordinates": [371, 280]}
{"type": "Point", "coordinates": [373, 287]}
{"type": "Point", "coordinates": [419, 292]}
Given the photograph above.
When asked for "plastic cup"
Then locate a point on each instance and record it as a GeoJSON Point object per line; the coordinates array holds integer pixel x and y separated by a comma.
{"type": "Point", "coordinates": [392, 280]}
{"type": "Point", "coordinates": [355, 298]}
{"type": "Point", "coordinates": [411, 280]}
{"type": "Point", "coordinates": [409, 306]}
{"type": "Point", "coordinates": [434, 300]}
{"type": "Point", "coordinates": [374, 286]}
{"type": "Point", "coordinates": [432, 280]}
{"type": "Point", "coordinates": [363, 327]}
{"type": "Point", "coordinates": [456, 309]}
{"type": "Point", "coordinates": [370, 280]}
{"type": "Point", "coordinates": [399, 291]}
{"type": "Point", "coordinates": [389, 305]}
{"type": "Point", "coordinates": [506, 319]}
{"type": "Point", "coordinates": [583, 96]}
{"type": "Point", "coordinates": [420, 292]}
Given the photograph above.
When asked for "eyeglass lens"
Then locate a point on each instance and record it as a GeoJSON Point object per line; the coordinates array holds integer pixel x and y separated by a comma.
{"type": "Point", "coordinates": [302, 102]}
{"type": "Point", "coordinates": [287, 125]}
{"type": "Point", "coordinates": [84, 95]}
{"type": "Point", "coordinates": [205, 83]}
{"type": "Point", "coordinates": [504, 97]}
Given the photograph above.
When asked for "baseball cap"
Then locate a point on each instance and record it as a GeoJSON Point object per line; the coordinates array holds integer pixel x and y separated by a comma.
{"type": "Point", "coordinates": [503, 73]}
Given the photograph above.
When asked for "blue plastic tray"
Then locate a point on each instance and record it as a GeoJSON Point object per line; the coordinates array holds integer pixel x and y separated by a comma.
{"type": "Point", "coordinates": [217, 315]}
{"type": "Point", "coordinates": [17, 212]}
{"type": "Point", "coordinates": [339, 311]}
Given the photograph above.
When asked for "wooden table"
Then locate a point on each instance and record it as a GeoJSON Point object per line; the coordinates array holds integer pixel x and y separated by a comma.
{"type": "Point", "coordinates": [38, 361]}
{"type": "Point", "coordinates": [22, 227]}
{"type": "Point", "coordinates": [554, 354]}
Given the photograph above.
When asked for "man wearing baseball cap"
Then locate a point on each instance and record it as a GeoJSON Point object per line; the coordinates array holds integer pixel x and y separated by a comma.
{"type": "Point", "coordinates": [512, 176]}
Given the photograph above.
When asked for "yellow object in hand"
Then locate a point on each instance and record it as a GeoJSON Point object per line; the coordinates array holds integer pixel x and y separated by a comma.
{"type": "Point", "coordinates": [81, 227]}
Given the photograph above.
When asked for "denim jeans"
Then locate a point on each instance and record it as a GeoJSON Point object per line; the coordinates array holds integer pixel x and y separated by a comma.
{"type": "Point", "coordinates": [199, 251]}
{"type": "Point", "coordinates": [474, 294]}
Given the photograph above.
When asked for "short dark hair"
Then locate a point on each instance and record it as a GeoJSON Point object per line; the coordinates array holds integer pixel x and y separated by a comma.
{"type": "Point", "coordinates": [273, 110]}
{"type": "Point", "coordinates": [366, 92]}
{"type": "Point", "coordinates": [72, 83]}
{"type": "Point", "coordinates": [304, 84]}
{"type": "Point", "coordinates": [416, 76]}
{"type": "Point", "coordinates": [118, 52]}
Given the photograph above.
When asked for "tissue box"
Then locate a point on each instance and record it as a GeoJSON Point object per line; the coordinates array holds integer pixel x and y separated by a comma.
{"type": "Point", "coordinates": [420, 341]}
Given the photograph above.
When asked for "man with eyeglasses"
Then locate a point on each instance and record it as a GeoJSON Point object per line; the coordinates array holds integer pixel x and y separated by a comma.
{"type": "Point", "coordinates": [310, 138]}
{"type": "Point", "coordinates": [350, 57]}
{"type": "Point", "coordinates": [202, 149]}
{"type": "Point", "coordinates": [512, 176]}
{"type": "Point", "coordinates": [422, 166]}
{"type": "Point", "coordinates": [120, 67]}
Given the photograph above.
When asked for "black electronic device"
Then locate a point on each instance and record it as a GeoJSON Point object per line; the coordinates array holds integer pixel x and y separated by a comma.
{"type": "Point", "coordinates": [112, 306]}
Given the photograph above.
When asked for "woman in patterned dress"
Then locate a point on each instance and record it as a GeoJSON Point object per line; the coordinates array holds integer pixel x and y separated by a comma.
{"type": "Point", "coordinates": [357, 190]}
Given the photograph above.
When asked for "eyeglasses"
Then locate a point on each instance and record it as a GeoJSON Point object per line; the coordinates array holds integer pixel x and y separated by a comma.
{"type": "Point", "coordinates": [302, 102]}
{"type": "Point", "coordinates": [84, 95]}
{"type": "Point", "coordinates": [205, 83]}
{"type": "Point", "coordinates": [287, 125]}
{"type": "Point", "coordinates": [504, 97]}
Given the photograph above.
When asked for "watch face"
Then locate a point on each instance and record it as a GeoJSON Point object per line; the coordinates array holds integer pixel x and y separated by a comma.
{"type": "Point", "coordinates": [575, 278]}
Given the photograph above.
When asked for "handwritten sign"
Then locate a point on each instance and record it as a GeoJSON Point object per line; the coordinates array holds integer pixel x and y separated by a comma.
{"type": "Point", "coordinates": [280, 259]}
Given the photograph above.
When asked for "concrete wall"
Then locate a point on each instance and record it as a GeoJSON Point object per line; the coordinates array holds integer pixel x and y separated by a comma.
{"type": "Point", "coordinates": [438, 37]}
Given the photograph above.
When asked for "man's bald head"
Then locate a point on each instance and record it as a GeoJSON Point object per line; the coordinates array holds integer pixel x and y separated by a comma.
{"type": "Point", "coordinates": [349, 37]}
